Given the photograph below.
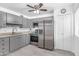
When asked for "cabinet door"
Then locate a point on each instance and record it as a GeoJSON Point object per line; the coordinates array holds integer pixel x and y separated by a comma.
{"type": "Point", "coordinates": [27, 39]}
{"type": "Point", "coordinates": [20, 20]}
{"type": "Point", "coordinates": [26, 23]}
{"type": "Point", "coordinates": [2, 19]}
{"type": "Point", "coordinates": [16, 19]}
{"type": "Point", "coordinates": [12, 18]}
{"type": "Point", "coordinates": [16, 42]}
{"type": "Point", "coordinates": [12, 43]}
{"type": "Point", "coordinates": [21, 40]}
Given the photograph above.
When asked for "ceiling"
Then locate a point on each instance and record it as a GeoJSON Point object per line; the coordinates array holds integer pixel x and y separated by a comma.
{"type": "Point", "coordinates": [22, 8]}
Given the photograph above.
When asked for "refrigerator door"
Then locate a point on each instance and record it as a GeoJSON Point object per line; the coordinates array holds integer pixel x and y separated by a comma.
{"type": "Point", "coordinates": [49, 36]}
{"type": "Point", "coordinates": [41, 36]}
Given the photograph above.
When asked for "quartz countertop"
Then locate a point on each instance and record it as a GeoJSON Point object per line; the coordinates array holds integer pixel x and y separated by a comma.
{"type": "Point", "coordinates": [21, 31]}
{"type": "Point", "coordinates": [2, 35]}
{"type": "Point", "coordinates": [18, 32]}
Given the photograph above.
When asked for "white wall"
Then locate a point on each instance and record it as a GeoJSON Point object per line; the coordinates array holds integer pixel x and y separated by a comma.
{"type": "Point", "coordinates": [76, 40]}
{"type": "Point", "coordinates": [77, 23]}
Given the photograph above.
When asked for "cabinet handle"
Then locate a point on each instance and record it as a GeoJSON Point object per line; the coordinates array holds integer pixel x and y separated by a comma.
{"type": "Point", "coordinates": [2, 40]}
{"type": "Point", "coordinates": [3, 48]}
{"type": "Point", "coordinates": [3, 44]}
{"type": "Point", "coordinates": [2, 53]}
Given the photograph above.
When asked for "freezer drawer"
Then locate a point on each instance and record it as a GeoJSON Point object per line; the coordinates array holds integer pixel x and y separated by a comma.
{"type": "Point", "coordinates": [41, 40]}
{"type": "Point", "coordinates": [41, 43]}
{"type": "Point", "coordinates": [49, 44]}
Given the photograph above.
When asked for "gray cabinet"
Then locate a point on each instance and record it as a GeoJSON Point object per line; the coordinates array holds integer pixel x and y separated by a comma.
{"type": "Point", "coordinates": [20, 19]}
{"type": "Point", "coordinates": [27, 39]}
{"type": "Point", "coordinates": [16, 42]}
{"type": "Point", "coordinates": [10, 18]}
{"type": "Point", "coordinates": [2, 19]}
{"type": "Point", "coordinates": [13, 19]}
{"type": "Point", "coordinates": [20, 41]}
{"type": "Point", "coordinates": [25, 23]}
{"type": "Point", "coordinates": [4, 46]}
{"type": "Point", "coordinates": [12, 43]}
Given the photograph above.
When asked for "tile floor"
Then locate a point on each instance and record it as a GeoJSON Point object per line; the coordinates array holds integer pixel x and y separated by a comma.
{"type": "Point", "coordinates": [32, 50]}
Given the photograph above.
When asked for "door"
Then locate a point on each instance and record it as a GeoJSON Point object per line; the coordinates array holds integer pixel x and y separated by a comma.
{"type": "Point", "coordinates": [68, 33]}
{"type": "Point", "coordinates": [59, 32]}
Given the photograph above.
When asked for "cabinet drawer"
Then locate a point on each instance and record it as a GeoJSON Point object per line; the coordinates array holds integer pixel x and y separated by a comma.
{"type": "Point", "coordinates": [4, 46]}
{"type": "Point", "coordinates": [5, 43]}
{"type": "Point", "coordinates": [4, 39]}
{"type": "Point", "coordinates": [4, 50]}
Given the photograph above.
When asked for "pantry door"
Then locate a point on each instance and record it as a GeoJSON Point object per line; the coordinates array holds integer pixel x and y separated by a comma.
{"type": "Point", "coordinates": [68, 41]}
{"type": "Point", "coordinates": [59, 32]}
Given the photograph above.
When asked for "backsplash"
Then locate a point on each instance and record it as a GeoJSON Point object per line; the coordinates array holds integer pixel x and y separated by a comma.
{"type": "Point", "coordinates": [8, 29]}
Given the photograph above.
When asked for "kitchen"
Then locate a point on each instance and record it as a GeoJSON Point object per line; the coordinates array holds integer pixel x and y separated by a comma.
{"type": "Point", "coordinates": [48, 31]}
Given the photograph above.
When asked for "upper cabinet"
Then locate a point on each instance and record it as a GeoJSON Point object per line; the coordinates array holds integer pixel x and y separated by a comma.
{"type": "Point", "coordinates": [26, 23]}
{"type": "Point", "coordinates": [20, 19]}
{"type": "Point", "coordinates": [13, 19]}
{"type": "Point", "coordinates": [2, 19]}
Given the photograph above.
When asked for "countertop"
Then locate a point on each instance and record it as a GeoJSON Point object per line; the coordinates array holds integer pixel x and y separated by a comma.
{"type": "Point", "coordinates": [9, 34]}
{"type": "Point", "coordinates": [15, 34]}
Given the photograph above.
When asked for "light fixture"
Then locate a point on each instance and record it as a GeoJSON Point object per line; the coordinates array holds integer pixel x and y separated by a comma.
{"type": "Point", "coordinates": [37, 12]}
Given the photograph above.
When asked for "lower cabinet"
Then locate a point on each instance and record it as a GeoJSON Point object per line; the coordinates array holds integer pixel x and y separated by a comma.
{"type": "Point", "coordinates": [4, 46]}
{"type": "Point", "coordinates": [21, 41]}
{"type": "Point", "coordinates": [13, 43]}
{"type": "Point", "coordinates": [27, 39]}
{"type": "Point", "coordinates": [16, 42]}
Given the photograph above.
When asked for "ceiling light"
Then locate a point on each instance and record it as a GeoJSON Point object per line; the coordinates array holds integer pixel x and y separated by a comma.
{"type": "Point", "coordinates": [37, 11]}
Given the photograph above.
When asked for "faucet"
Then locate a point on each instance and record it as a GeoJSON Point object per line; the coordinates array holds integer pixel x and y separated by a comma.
{"type": "Point", "coordinates": [30, 27]}
{"type": "Point", "coordinates": [13, 30]}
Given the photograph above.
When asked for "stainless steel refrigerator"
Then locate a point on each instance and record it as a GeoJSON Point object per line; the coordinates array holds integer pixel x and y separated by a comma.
{"type": "Point", "coordinates": [46, 34]}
